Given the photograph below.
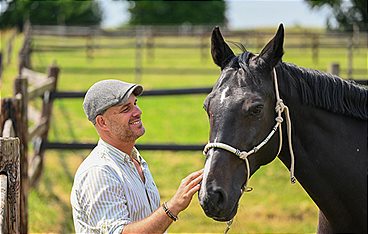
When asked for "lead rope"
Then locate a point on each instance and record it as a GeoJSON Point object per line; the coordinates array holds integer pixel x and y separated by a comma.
{"type": "Point", "coordinates": [280, 107]}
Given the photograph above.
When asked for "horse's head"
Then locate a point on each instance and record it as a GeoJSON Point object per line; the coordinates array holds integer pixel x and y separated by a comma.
{"type": "Point", "coordinates": [241, 111]}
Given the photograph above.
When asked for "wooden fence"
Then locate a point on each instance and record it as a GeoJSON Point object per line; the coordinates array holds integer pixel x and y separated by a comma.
{"type": "Point", "coordinates": [147, 39]}
{"type": "Point", "coordinates": [31, 125]}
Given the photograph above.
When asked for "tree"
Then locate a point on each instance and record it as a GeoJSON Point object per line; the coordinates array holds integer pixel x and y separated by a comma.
{"type": "Point", "coordinates": [177, 12]}
{"type": "Point", "coordinates": [348, 14]}
{"type": "Point", "coordinates": [57, 12]}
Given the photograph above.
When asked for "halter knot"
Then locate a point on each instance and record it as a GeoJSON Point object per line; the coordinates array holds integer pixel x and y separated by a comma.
{"type": "Point", "coordinates": [279, 119]}
{"type": "Point", "coordinates": [280, 106]}
{"type": "Point", "coordinates": [243, 155]}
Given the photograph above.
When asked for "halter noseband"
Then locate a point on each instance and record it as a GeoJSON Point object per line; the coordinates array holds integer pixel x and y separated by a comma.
{"type": "Point", "coordinates": [280, 108]}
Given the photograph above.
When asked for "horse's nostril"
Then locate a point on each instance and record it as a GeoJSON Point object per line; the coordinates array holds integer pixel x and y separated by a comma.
{"type": "Point", "coordinates": [219, 198]}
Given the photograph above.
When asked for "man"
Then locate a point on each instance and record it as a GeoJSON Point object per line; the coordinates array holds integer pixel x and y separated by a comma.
{"type": "Point", "coordinates": [113, 190]}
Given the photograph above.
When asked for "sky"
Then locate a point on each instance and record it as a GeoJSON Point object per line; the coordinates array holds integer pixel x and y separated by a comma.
{"type": "Point", "coordinates": [242, 14]}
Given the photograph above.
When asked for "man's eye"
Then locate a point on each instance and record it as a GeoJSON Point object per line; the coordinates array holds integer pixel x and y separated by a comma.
{"type": "Point", "coordinates": [125, 110]}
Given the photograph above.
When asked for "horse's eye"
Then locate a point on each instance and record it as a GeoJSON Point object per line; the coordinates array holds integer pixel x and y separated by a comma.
{"type": "Point", "coordinates": [256, 109]}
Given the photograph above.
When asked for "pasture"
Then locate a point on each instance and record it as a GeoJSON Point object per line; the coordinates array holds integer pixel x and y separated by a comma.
{"type": "Point", "coordinates": [274, 206]}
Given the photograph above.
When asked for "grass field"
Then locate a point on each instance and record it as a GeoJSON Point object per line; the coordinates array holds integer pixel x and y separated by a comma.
{"type": "Point", "coordinates": [275, 206]}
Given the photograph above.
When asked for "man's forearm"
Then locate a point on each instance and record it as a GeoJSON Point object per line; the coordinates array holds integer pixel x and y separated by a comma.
{"type": "Point", "coordinates": [157, 222]}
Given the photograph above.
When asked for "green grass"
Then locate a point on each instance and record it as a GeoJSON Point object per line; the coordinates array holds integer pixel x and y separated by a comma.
{"type": "Point", "coordinates": [274, 206]}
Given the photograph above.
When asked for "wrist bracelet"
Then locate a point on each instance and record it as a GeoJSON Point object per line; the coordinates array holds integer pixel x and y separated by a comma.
{"type": "Point", "coordinates": [168, 212]}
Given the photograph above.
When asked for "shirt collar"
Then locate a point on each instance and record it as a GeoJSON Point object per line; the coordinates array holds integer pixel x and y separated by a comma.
{"type": "Point", "coordinates": [120, 154]}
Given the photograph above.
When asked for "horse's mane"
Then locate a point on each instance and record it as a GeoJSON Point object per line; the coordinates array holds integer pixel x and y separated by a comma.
{"type": "Point", "coordinates": [327, 91]}
{"type": "Point", "coordinates": [319, 89]}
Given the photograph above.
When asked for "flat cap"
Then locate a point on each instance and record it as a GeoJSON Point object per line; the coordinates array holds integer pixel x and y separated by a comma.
{"type": "Point", "coordinates": [107, 93]}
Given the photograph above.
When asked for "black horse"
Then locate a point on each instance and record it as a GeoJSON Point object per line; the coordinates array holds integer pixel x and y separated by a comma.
{"type": "Point", "coordinates": [328, 135]}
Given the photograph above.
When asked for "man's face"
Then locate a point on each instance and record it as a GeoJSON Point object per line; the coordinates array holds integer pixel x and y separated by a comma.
{"type": "Point", "coordinates": [124, 121]}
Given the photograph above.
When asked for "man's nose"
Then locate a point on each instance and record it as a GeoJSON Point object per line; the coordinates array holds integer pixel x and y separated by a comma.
{"type": "Point", "coordinates": [137, 111]}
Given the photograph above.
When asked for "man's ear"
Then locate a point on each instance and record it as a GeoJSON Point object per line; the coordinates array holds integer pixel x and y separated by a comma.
{"type": "Point", "coordinates": [272, 53]}
{"type": "Point", "coordinates": [100, 122]}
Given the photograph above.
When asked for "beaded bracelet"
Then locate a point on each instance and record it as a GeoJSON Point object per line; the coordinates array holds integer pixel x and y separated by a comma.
{"type": "Point", "coordinates": [168, 212]}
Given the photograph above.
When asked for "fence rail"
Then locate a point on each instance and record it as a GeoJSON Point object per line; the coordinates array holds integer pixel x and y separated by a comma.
{"type": "Point", "coordinates": [156, 92]}
{"type": "Point", "coordinates": [164, 147]}
{"type": "Point", "coordinates": [147, 39]}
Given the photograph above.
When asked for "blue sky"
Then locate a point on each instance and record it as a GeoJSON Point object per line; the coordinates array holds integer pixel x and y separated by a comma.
{"type": "Point", "coordinates": [243, 14]}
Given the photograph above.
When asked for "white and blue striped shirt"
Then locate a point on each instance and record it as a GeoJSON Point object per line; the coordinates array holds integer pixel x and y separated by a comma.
{"type": "Point", "coordinates": [108, 192]}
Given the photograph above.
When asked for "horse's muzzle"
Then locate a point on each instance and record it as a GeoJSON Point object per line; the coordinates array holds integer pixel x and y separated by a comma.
{"type": "Point", "coordinates": [215, 204]}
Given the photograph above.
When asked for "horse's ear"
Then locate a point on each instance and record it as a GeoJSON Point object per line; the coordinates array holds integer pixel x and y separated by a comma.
{"type": "Point", "coordinates": [221, 52]}
{"type": "Point", "coordinates": [274, 50]}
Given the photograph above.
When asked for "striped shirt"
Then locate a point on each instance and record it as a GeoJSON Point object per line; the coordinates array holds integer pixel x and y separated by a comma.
{"type": "Point", "coordinates": [108, 192]}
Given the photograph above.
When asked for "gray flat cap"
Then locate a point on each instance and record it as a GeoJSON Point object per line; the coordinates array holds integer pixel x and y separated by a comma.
{"type": "Point", "coordinates": [107, 93]}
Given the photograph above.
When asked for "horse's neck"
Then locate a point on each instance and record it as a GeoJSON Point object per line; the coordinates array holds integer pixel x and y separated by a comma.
{"type": "Point", "coordinates": [319, 135]}
{"type": "Point", "coordinates": [322, 129]}
{"type": "Point", "coordinates": [330, 154]}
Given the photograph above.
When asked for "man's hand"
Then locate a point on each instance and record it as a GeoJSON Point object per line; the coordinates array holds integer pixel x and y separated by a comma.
{"type": "Point", "coordinates": [183, 196]}
{"type": "Point", "coordinates": [158, 221]}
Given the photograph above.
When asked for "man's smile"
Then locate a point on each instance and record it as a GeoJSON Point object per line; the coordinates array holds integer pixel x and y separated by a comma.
{"type": "Point", "coordinates": [135, 122]}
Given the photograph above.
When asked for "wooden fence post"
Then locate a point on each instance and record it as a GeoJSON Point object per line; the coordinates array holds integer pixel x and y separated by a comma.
{"type": "Point", "coordinates": [21, 128]}
{"type": "Point", "coordinates": [10, 166]}
{"type": "Point", "coordinates": [36, 165]}
{"type": "Point", "coordinates": [203, 46]}
{"type": "Point", "coordinates": [25, 51]}
{"type": "Point", "coordinates": [4, 112]}
{"type": "Point", "coordinates": [315, 48]}
{"type": "Point", "coordinates": [89, 45]}
{"type": "Point", "coordinates": [1, 64]}
{"type": "Point", "coordinates": [4, 204]}
{"type": "Point", "coordinates": [138, 54]}
{"type": "Point", "coordinates": [9, 48]}
{"type": "Point", "coordinates": [334, 69]}
{"type": "Point", "coordinates": [350, 57]}
{"type": "Point", "coordinates": [150, 47]}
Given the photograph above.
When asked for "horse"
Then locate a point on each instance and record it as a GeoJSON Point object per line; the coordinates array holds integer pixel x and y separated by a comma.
{"type": "Point", "coordinates": [324, 143]}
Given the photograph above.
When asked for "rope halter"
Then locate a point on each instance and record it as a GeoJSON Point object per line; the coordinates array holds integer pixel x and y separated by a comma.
{"type": "Point", "coordinates": [280, 108]}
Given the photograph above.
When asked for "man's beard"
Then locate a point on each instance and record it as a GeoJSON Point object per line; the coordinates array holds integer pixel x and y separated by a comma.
{"type": "Point", "coordinates": [125, 133]}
